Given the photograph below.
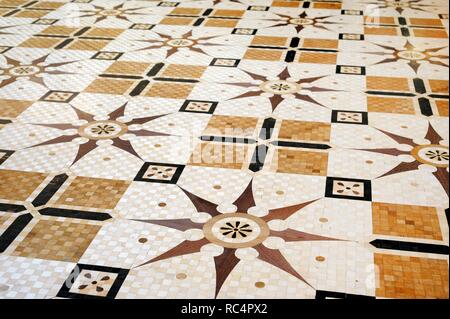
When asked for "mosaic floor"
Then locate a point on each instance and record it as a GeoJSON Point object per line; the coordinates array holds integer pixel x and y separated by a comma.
{"type": "Point", "coordinates": [224, 149]}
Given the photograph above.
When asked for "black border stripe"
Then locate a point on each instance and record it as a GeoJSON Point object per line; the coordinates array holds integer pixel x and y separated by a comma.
{"type": "Point", "coordinates": [410, 246]}
{"type": "Point", "coordinates": [77, 214]}
{"type": "Point", "coordinates": [50, 190]}
{"type": "Point", "coordinates": [13, 231]}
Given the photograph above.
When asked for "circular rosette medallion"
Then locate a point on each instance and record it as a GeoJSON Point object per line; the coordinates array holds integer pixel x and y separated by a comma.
{"type": "Point", "coordinates": [25, 70]}
{"type": "Point", "coordinates": [411, 55]}
{"type": "Point", "coordinates": [280, 87]}
{"type": "Point", "coordinates": [179, 43]}
{"type": "Point", "coordinates": [436, 155]}
{"type": "Point", "coordinates": [236, 230]}
{"type": "Point", "coordinates": [102, 130]}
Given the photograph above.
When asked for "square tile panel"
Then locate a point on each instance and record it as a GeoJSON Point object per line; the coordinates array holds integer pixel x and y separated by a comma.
{"type": "Point", "coordinates": [57, 240]}
{"type": "Point", "coordinates": [305, 131]}
{"type": "Point", "coordinates": [160, 173]}
{"type": "Point", "coordinates": [301, 162]}
{"type": "Point", "coordinates": [93, 192]}
{"type": "Point", "coordinates": [206, 107]}
{"type": "Point", "coordinates": [17, 185]}
{"type": "Point", "coordinates": [348, 188]}
{"type": "Point", "coordinates": [93, 282]}
{"type": "Point", "coordinates": [408, 277]}
{"type": "Point", "coordinates": [349, 117]}
{"type": "Point", "coordinates": [222, 62]}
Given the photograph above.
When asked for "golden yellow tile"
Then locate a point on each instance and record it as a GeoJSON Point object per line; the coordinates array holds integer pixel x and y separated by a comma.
{"type": "Point", "coordinates": [57, 240]}
{"type": "Point", "coordinates": [320, 44]}
{"type": "Point", "coordinates": [232, 156]}
{"type": "Point", "coordinates": [442, 106]}
{"type": "Point", "coordinates": [305, 131]}
{"type": "Point", "coordinates": [169, 90]}
{"type": "Point", "coordinates": [231, 125]}
{"type": "Point", "coordinates": [177, 21]}
{"type": "Point", "coordinates": [439, 86]}
{"type": "Point", "coordinates": [385, 83]}
{"type": "Point", "coordinates": [184, 71]}
{"type": "Point", "coordinates": [88, 45]}
{"type": "Point", "coordinates": [228, 13]}
{"type": "Point", "coordinates": [269, 41]}
{"type": "Point", "coordinates": [265, 55]}
{"type": "Point", "coordinates": [327, 5]}
{"type": "Point", "coordinates": [110, 86]}
{"type": "Point", "coordinates": [429, 33]}
{"type": "Point", "coordinates": [41, 42]}
{"type": "Point", "coordinates": [104, 32]}
{"type": "Point", "coordinates": [59, 30]}
{"type": "Point", "coordinates": [380, 20]}
{"type": "Point", "coordinates": [390, 105]}
{"type": "Point", "coordinates": [407, 277]}
{"type": "Point", "coordinates": [31, 14]}
{"type": "Point", "coordinates": [13, 3]}
{"type": "Point", "coordinates": [300, 162]}
{"type": "Point", "coordinates": [425, 22]}
{"type": "Point", "coordinates": [380, 31]}
{"type": "Point", "coordinates": [17, 185]}
{"type": "Point", "coordinates": [128, 68]}
{"type": "Point", "coordinates": [221, 23]}
{"type": "Point", "coordinates": [93, 193]}
{"type": "Point", "coordinates": [406, 221]}
{"type": "Point", "coordinates": [286, 4]}
{"type": "Point", "coordinates": [50, 5]}
{"type": "Point", "coordinates": [315, 57]}
{"type": "Point", "coordinates": [187, 11]}
{"type": "Point", "coordinates": [13, 108]}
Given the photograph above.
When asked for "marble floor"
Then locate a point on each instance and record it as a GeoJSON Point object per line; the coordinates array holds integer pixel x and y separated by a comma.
{"type": "Point", "coordinates": [224, 149]}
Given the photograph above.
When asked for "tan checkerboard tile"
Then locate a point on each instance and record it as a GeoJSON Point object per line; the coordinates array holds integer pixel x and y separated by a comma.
{"type": "Point", "coordinates": [313, 57]}
{"type": "Point", "coordinates": [301, 162]}
{"type": "Point", "coordinates": [59, 30]}
{"type": "Point", "coordinates": [269, 41]}
{"type": "Point", "coordinates": [13, 108]}
{"type": "Point", "coordinates": [186, 11]}
{"type": "Point", "coordinates": [93, 192]}
{"type": "Point", "coordinates": [380, 31]}
{"type": "Point", "coordinates": [265, 55]}
{"type": "Point", "coordinates": [221, 23]}
{"type": "Point", "coordinates": [231, 125]}
{"type": "Point", "coordinates": [406, 221]}
{"type": "Point", "coordinates": [231, 156]}
{"type": "Point", "coordinates": [88, 45]}
{"type": "Point", "coordinates": [305, 131]}
{"type": "Point", "coordinates": [228, 13]}
{"type": "Point", "coordinates": [41, 42]}
{"type": "Point", "coordinates": [387, 83]}
{"type": "Point", "coordinates": [177, 21]}
{"type": "Point", "coordinates": [429, 33]}
{"type": "Point", "coordinates": [18, 186]}
{"type": "Point", "coordinates": [390, 105]}
{"type": "Point", "coordinates": [320, 44]}
{"type": "Point", "coordinates": [128, 68]}
{"type": "Point", "coordinates": [439, 86]}
{"type": "Point", "coordinates": [411, 277]}
{"type": "Point", "coordinates": [442, 106]}
{"type": "Point", "coordinates": [169, 90]}
{"type": "Point", "coordinates": [327, 5]}
{"type": "Point", "coordinates": [184, 71]}
{"type": "Point", "coordinates": [110, 86]}
{"type": "Point", "coordinates": [57, 240]}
